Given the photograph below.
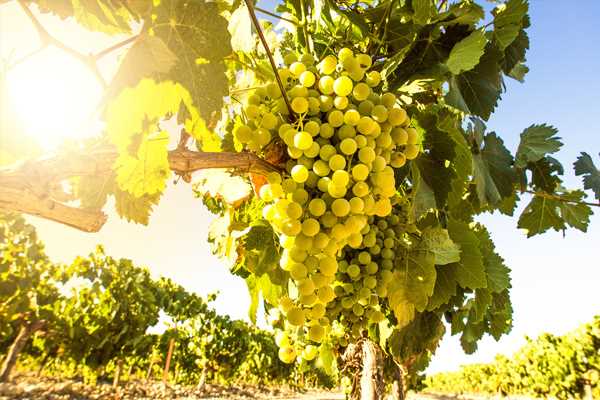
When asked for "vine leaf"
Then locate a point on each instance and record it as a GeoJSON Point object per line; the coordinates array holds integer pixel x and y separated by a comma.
{"type": "Point", "coordinates": [424, 10]}
{"type": "Point", "coordinates": [240, 29]}
{"type": "Point", "coordinates": [536, 142]}
{"type": "Point", "coordinates": [591, 175]}
{"type": "Point", "coordinates": [508, 20]}
{"type": "Point", "coordinates": [543, 213]}
{"type": "Point", "coordinates": [146, 172]}
{"type": "Point", "coordinates": [148, 56]}
{"type": "Point", "coordinates": [415, 278]}
{"type": "Point", "coordinates": [438, 241]}
{"type": "Point", "coordinates": [492, 171]}
{"type": "Point", "coordinates": [470, 270]}
{"type": "Point", "coordinates": [477, 91]}
{"type": "Point", "coordinates": [135, 209]}
{"type": "Point", "coordinates": [465, 55]}
{"type": "Point", "coordinates": [498, 278]}
{"type": "Point", "coordinates": [197, 34]}
{"type": "Point", "coordinates": [445, 287]}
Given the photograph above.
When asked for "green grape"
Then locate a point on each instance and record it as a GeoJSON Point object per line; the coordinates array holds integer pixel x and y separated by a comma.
{"type": "Point", "coordinates": [327, 65]}
{"type": "Point", "coordinates": [399, 136]}
{"type": "Point", "coordinates": [328, 266]}
{"type": "Point", "coordinates": [340, 207]}
{"type": "Point", "coordinates": [312, 151]}
{"type": "Point", "coordinates": [346, 131]}
{"type": "Point", "coordinates": [298, 271]}
{"type": "Point", "coordinates": [290, 58]}
{"type": "Point", "coordinates": [295, 316]}
{"type": "Point", "coordinates": [303, 140]}
{"type": "Point", "coordinates": [350, 64]}
{"type": "Point", "coordinates": [299, 173]}
{"type": "Point", "coordinates": [321, 240]}
{"type": "Point", "coordinates": [373, 78]}
{"type": "Point", "coordinates": [340, 178]}
{"type": "Point", "coordinates": [297, 68]}
{"type": "Point", "coordinates": [366, 155]}
{"type": "Point", "coordinates": [412, 136]}
{"type": "Point", "coordinates": [342, 86]}
{"type": "Point", "coordinates": [379, 113]}
{"type": "Point", "coordinates": [262, 136]}
{"type": "Point", "coordinates": [337, 162]}
{"type": "Point", "coordinates": [397, 116]}
{"type": "Point", "coordinates": [357, 205]}
{"type": "Point", "coordinates": [273, 91]}
{"type": "Point", "coordinates": [326, 84]}
{"type": "Point", "coordinates": [361, 91]}
{"type": "Point", "coordinates": [299, 105]}
{"type": "Point", "coordinates": [388, 99]}
{"type": "Point", "coordinates": [317, 311]}
{"type": "Point", "coordinates": [316, 333]}
{"type": "Point", "coordinates": [314, 106]}
{"type": "Point", "coordinates": [336, 118]}
{"type": "Point", "coordinates": [348, 146]}
{"type": "Point", "coordinates": [336, 191]}
{"type": "Point", "coordinates": [398, 159]}
{"type": "Point", "coordinates": [370, 282]}
{"type": "Point", "coordinates": [307, 59]}
{"type": "Point", "coordinates": [326, 130]}
{"type": "Point", "coordinates": [321, 168]}
{"type": "Point", "coordinates": [306, 287]}
{"type": "Point", "coordinates": [310, 227]}
{"type": "Point", "coordinates": [372, 268]}
{"type": "Point", "coordinates": [364, 60]}
{"type": "Point", "coordinates": [360, 172]}
{"type": "Point", "coordinates": [307, 79]}
{"type": "Point", "coordinates": [243, 133]}
{"type": "Point", "coordinates": [411, 151]}
{"type": "Point", "coordinates": [328, 220]}
{"type": "Point", "coordinates": [325, 294]}
{"type": "Point", "coordinates": [345, 53]}
{"type": "Point", "coordinates": [360, 189]}
{"type": "Point", "coordinates": [365, 107]}
{"type": "Point", "coordinates": [357, 75]}
{"type": "Point", "coordinates": [340, 102]}
{"type": "Point", "coordinates": [364, 257]}
{"type": "Point", "coordinates": [327, 151]}
{"type": "Point", "coordinates": [325, 103]}
{"type": "Point", "coordinates": [366, 126]}
{"type": "Point", "coordinates": [298, 91]}
{"type": "Point", "coordinates": [351, 117]}
{"type": "Point", "coordinates": [287, 354]}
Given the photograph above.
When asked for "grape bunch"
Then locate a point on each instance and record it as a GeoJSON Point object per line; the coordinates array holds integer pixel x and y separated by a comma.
{"type": "Point", "coordinates": [344, 141]}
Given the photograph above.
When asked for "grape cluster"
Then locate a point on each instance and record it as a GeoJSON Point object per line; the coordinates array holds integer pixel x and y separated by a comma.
{"type": "Point", "coordinates": [344, 142]}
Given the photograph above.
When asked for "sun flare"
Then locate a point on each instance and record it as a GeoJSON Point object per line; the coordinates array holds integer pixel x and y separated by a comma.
{"type": "Point", "coordinates": [54, 98]}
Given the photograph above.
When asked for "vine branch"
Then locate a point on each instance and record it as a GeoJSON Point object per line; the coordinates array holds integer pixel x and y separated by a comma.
{"type": "Point", "coordinates": [32, 187]}
{"type": "Point", "coordinates": [269, 55]}
{"type": "Point", "coordinates": [550, 196]}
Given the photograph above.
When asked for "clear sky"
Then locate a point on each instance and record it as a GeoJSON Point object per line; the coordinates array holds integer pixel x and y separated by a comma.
{"type": "Point", "coordinates": [556, 279]}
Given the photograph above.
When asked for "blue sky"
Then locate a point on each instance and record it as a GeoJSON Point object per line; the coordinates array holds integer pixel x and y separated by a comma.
{"type": "Point", "coordinates": [556, 279]}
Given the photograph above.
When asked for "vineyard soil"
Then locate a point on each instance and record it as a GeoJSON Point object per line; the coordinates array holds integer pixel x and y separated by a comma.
{"type": "Point", "coordinates": [26, 386]}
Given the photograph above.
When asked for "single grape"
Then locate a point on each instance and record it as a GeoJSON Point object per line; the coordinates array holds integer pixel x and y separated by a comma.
{"type": "Point", "coordinates": [342, 86]}
{"type": "Point", "coordinates": [299, 105]}
{"type": "Point", "coordinates": [307, 79]}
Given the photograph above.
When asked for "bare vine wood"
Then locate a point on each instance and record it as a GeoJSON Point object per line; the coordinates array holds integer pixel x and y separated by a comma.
{"type": "Point", "coordinates": [35, 187]}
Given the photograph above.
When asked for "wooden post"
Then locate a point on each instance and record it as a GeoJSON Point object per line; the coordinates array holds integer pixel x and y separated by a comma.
{"type": "Point", "coordinates": [150, 368]}
{"type": "Point", "coordinates": [168, 361]}
{"type": "Point", "coordinates": [27, 329]}
{"type": "Point", "coordinates": [371, 379]}
{"type": "Point", "coordinates": [118, 373]}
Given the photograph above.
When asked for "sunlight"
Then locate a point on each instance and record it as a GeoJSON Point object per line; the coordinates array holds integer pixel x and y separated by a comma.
{"type": "Point", "coordinates": [55, 98]}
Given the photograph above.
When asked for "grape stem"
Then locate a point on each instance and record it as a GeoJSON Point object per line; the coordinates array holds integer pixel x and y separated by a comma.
{"type": "Point", "coordinates": [270, 56]}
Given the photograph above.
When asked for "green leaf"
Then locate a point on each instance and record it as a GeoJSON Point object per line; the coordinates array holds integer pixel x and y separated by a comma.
{"type": "Point", "coordinates": [445, 287]}
{"type": "Point", "coordinates": [540, 215]}
{"type": "Point", "coordinates": [470, 271]}
{"type": "Point", "coordinates": [498, 278]}
{"type": "Point", "coordinates": [480, 304]}
{"type": "Point", "coordinates": [135, 209]}
{"type": "Point", "coordinates": [574, 214]}
{"type": "Point", "coordinates": [536, 142]}
{"type": "Point", "coordinates": [514, 55]}
{"type": "Point", "coordinates": [148, 56]}
{"type": "Point", "coordinates": [240, 28]}
{"type": "Point", "coordinates": [465, 54]}
{"type": "Point", "coordinates": [327, 359]}
{"type": "Point", "coordinates": [423, 11]}
{"type": "Point", "coordinates": [519, 72]}
{"type": "Point", "coordinates": [197, 34]}
{"type": "Point", "coordinates": [544, 174]}
{"type": "Point", "coordinates": [477, 91]}
{"type": "Point", "coordinates": [259, 242]}
{"type": "Point", "coordinates": [464, 13]}
{"type": "Point", "coordinates": [437, 241]}
{"type": "Point", "coordinates": [254, 292]}
{"type": "Point", "coordinates": [508, 20]}
{"type": "Point", "coordinates": [423, 196]}
{"type": "Point", "coordinates": [422, 335]}
{"type": "Point", "coordinates": [492, 171]}
{"type": "Point", "coordinates": [147, 172]}
{"type": "Point", "coordinates": [591, 175]}
{"type": "Point", "coordinates": [437, 175]}
{"type": "Point", "coordinates": [500, 314]}
{"type": "Point", "coordinates": [416, 276]}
